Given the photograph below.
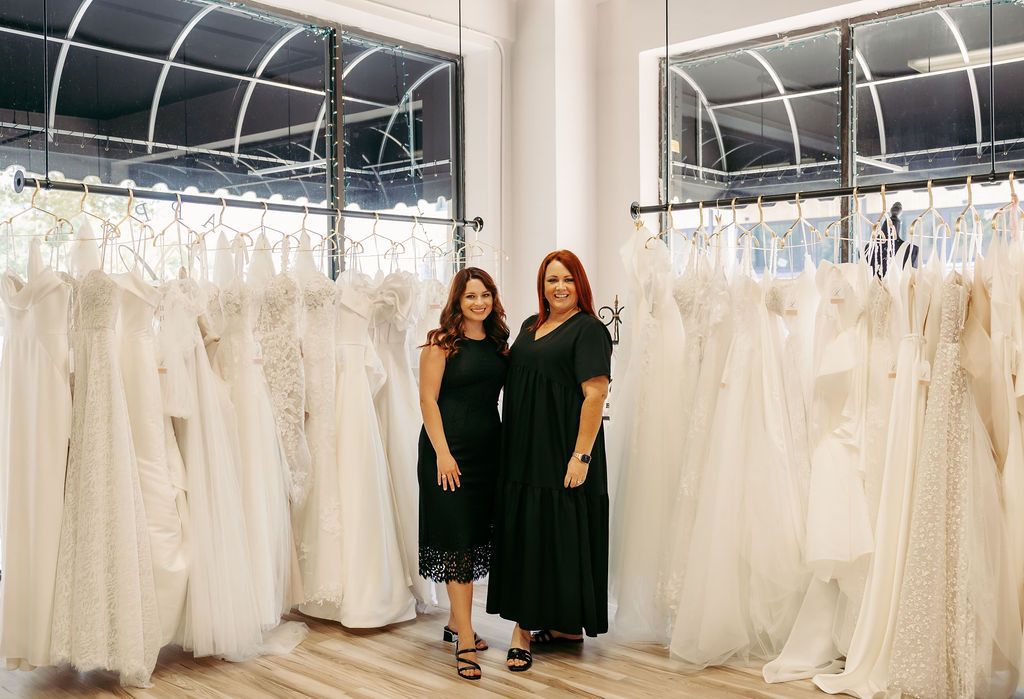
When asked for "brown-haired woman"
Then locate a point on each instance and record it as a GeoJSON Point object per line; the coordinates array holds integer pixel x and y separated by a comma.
{"type": "Point", "coordinates": [550, 568]}
{"type": "Point", "coordinates": [462, 371]}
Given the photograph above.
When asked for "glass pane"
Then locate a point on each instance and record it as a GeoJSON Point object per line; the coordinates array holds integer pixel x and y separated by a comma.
{"type": "Point", "coordinates": [1008, 40]}
{"type": "Point", "coordinates": [175, 93]}
{"type": "Point", "coordinates": [397, 125]}
{"type": "Point", "coordinates": [922, 97]}
{"type": "Point", "coordinates": [399, 141]}
{"type": "Point", "coordinates": [766, 120]}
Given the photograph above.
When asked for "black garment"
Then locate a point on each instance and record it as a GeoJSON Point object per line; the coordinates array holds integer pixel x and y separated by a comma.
{"type": "Point", "coordinates": [550, 568]}
{"type": "Point", "coordinates": [455, 526]}
{"type": "Point", "coordinates": [878, 253]}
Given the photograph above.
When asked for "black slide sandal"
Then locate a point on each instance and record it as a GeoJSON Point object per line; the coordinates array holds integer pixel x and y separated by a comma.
{"type": "Point", "coordinates": [546, 638]}
{"type": "Point", "coordinates": [520, 654]}
{"type": "Point", "coordinates": [470, 665]}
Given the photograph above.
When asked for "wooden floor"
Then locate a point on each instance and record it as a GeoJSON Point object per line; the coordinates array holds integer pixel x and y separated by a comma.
{"type": "Point", "coordinates": [410, 660]}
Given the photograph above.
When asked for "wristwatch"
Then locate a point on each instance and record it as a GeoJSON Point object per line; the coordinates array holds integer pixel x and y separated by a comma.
{"type": "Point", "coordinates": [584, 458]}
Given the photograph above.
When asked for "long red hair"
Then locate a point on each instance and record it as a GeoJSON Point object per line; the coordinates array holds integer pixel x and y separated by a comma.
{"type": "Point", "coordinates": [448, 334]}
{"type": "Point", "coordinates": [584, 295]}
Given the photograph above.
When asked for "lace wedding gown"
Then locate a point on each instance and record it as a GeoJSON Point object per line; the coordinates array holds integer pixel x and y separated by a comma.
{"type": "Point", "coordinates": [264, 471]}
{"type": "Point", "coordinates": [705, 299]}
{"type": "Point", "coordinates": [395, 302]}
{"type": "Point", "coordinates": [105, 612]}
{"type": "Point", "coordinates": [35, 400]}
{"type": "Point", "coordinates": [651, 443]}
{"type": "Point", "coordinates": [279, 305]}
{"type": "Point", "coordinates": [319, 530]}
{"type": "Point", "coordinates": [951, 605]}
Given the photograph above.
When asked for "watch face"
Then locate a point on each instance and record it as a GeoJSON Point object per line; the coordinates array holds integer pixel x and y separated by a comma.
{"type": "Point", "coordinates": [585, 458]}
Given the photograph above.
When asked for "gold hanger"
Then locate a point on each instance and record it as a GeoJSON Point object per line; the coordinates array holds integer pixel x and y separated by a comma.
{"type": "Point", "coordinates": [938, 223]}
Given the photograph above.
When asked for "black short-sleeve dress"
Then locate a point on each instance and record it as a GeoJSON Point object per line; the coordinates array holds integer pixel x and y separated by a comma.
{"type": "Point", "coordinates": [456, 526]}
{"type": "Point", "coordinates": [550, 566]}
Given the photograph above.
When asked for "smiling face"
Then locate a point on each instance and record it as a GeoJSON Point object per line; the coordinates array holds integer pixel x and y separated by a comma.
{"type": "Point", "coordinates": [559, 288]}
{"type": "Point", "coordinates": [477, 301]}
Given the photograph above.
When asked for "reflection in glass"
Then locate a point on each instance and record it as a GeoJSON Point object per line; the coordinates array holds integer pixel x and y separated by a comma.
{"type": "Point", "coordinates": [764, 119]}
{"type": "Point", "coordinates": [922, 95]}
{"type": "Point", "coordinates": [177, 93]}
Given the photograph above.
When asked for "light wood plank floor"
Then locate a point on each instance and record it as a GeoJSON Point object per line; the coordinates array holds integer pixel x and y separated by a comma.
{"type": "Point", "coordinates": [410, 660]}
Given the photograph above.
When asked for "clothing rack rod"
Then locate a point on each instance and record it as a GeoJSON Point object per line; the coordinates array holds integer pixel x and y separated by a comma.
{"type": "Point", "coordinates": [21, 182]}
{"type": "Point", "coordinates": [635, 210]}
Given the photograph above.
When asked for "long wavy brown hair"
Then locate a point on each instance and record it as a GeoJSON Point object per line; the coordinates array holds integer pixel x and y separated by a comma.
{"type": "Point", "coordinates": [448, 334]}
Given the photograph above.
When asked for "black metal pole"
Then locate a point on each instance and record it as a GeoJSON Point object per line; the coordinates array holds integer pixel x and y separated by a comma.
{"type": "Point", "coordinates": [636, 210]}
{"type": "Point", "coordinates": [21, 182]}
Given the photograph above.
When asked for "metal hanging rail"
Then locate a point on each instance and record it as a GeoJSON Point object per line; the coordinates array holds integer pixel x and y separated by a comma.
{"type": "Point", "coordinates": [21, 182]}
{"type": "Point", "coordinates": [636, 210]}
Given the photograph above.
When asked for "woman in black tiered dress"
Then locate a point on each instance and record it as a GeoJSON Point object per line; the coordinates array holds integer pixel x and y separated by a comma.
{"type": "Point", "coordinates": [462, 370]}
{"type": "Point", "coordinates": [550, 568]}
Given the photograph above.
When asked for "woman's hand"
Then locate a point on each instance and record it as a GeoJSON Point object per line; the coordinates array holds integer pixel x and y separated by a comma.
{"type": "Point", "coordinates": [448, 472]}
{"type": "Point", "coordinates": [575, 473]}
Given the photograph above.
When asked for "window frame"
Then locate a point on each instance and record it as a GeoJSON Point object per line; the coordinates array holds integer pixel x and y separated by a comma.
{"type": "Point", "coordinates": [847, 96]}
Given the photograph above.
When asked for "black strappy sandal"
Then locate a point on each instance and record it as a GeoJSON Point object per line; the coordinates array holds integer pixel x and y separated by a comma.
{"type": "Point", "coordinates": [520, 654]}
{"type": "Point", "coordinates": [450, 635]}
{"type": "Point", "coordinates": [469, 664]}
{"type": "Point", "coordinates": [546, 638]}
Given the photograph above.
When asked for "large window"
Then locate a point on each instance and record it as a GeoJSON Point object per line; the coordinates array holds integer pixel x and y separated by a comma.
{"type": "Point", "coordinates": [217, 98]}
{"type": "Point", "coordinates": [399, 131]}
{"type": "Point", "coordinates": [905, 96]}
{"type": "Point", "coordinates": [926, 92]}
{"type": "Point", "coordinates": [165, 92]}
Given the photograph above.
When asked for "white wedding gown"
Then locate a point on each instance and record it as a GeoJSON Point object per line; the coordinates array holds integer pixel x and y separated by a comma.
{"type": "Point", "coordinates": [867, 663]}
{"type": "Point", "coordinates": [374, 584]}
{"type": "Point", "coordinates": [319, 528]}
{"type": "Point", "coordinates": [646, 431]}
{"type": "Point", "coordinates": [278, 305]}
{"type": "Point", "coordinates": [222, 610]}
{"type": "Point", "coordinates": [264, 470]}
{"type": "Point", "coordinates": [163, 490]}
{"type": "Point", "coordinates": [35, 400]}
{"type": "Point", "coordinates": [744, 577]}
{"type": "Point", "coordinates": [956, 633]}
{"type": "Point", "coordinates": [395, 301]}
{"type": "Point", "coordinates": [105, 612]}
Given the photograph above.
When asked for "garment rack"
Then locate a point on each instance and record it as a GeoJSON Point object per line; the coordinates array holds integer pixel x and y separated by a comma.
{"type": "Point", "coordinates": [636, 210]}
{"type": "Point", "coordinates": [21, 182]}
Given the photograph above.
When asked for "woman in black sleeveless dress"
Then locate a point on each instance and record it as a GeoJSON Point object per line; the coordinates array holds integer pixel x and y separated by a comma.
{"type": "Point", "coordinates": [550, 568]}
{"type": "Point", "coordinates": [462, 371]}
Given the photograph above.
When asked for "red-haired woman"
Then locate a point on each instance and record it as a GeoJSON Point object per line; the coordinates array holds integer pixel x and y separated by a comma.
{"type": "Point", "coordinates": [550, 567]}
{"type": "Point", "coordinates": [462, 371]}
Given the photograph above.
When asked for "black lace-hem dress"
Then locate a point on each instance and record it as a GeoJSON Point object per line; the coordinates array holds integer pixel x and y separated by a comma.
{"type": "Point", "coordinates": [550, 567]}
{"type": "Point", "coordinates": [456, 526]}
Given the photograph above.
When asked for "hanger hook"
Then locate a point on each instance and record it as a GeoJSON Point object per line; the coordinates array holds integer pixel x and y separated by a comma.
{"type": "Point", "coordinates": [760, 210]}
{"type": "Point", "coordinates": [931, 195]}
{"type": "Point", "coordinates": [263, 218]}
{"type": "Point", "coordinates": [970, 193]}
{"type": "Point", "coordinates": [32, 202]}
{"type": "Point", "coordinates": [223, 208]}
{"type": "Point", "coordinates": [85, 193]}
{"type": "Point", "coordinates": [305, 215]}
{"type": "Point", "coordinates": [376, 220]}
